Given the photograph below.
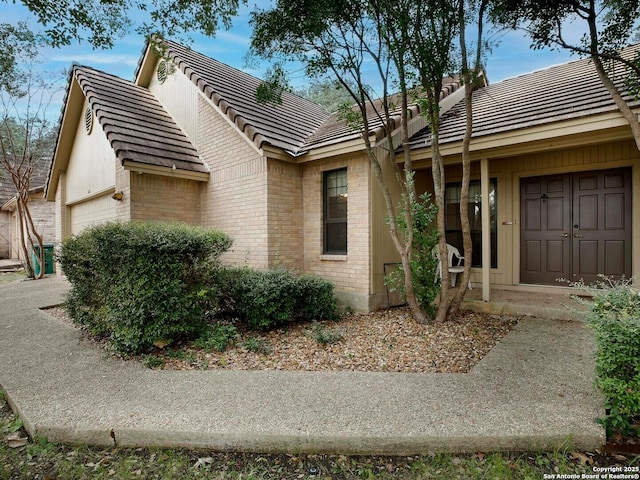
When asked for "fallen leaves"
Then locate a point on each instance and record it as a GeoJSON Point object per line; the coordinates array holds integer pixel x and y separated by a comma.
{"type": "Point", "coordinates": [16, 440]}
{"type": "Point", "coordinates": [384, 341]}
{"type": "Point", "coordinates": [582, 458]}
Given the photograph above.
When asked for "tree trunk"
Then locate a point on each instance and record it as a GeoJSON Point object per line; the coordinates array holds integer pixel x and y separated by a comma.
{"type": "Point", "coordinates": [23, 245]}
{"type": "Point", "coordinates": [623, 107]}
{"type": "Point", "coordinates": [466, 153]}
{"type": "Point", "coordinates": [417, 311]}
{"type": "Point", "coordinates": [464, 197]}
{"type": "Point", "coordinates": [32, 232]}
{"type": "Point", "coordinates": [619, 101]}
{"type": "Point", "coordinates": [437, 169]}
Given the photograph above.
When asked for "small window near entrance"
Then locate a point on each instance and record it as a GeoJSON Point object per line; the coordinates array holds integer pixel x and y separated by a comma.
{"type": "Point", "coordinates": [335, 212]}
{"type": "Point", "coordinates": [453, 226]}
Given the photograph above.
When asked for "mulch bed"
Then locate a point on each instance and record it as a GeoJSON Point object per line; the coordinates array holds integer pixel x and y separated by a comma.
{"type": "Point", "coordinates": [384, 341]}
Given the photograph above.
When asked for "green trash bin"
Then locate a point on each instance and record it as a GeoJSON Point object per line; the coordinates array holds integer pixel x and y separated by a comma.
{"type": "Point", "coordinates": [49, 264]}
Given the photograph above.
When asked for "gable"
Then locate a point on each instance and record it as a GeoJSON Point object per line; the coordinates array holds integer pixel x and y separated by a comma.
{"type": "Point", "coordinates": [233, 92]}
{"type": "Point", "coordinates": [91, 166]}
{"type": "Point", "coordinates": [138, 128]}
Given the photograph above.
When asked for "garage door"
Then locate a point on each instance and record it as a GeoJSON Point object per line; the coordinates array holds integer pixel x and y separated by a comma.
{"type": "Point", "coordinates": [91, 212]}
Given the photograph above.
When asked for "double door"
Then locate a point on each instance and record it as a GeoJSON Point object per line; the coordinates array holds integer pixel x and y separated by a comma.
{"type": "Point", "coordinates": [575, 226]}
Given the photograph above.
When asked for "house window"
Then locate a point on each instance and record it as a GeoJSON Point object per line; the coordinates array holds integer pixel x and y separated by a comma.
{"type": "Point", "coordinates": [335, 211]}
{"type": "Point", "coordinates": [452, 219]}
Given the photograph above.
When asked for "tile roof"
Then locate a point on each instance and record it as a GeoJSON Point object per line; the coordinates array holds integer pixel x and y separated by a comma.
{"type": "Point", "coordinates": [563, 92]}
{"type": "Point", "coordinates": [135, 123]}
{"type": "Point", "coordinates": [285, 126]}
{"type": "Point", "coordinates": [38, 179]}
{"type": "Point", "coordinates": [7, 190]}
{"type": "Point", "coordinates": [296, 126]}
{"type": "Point", "coordinates": [336, 129]}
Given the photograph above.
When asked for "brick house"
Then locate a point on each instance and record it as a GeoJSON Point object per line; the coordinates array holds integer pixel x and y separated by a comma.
{"type": "Point", "coordinates": [292, 184]}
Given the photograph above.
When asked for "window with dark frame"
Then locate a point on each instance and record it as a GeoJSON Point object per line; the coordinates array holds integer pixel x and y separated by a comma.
{"type": "Point", "coordinates": [334, 196]}
{"type": "Point", "coordinates": [453, 226]}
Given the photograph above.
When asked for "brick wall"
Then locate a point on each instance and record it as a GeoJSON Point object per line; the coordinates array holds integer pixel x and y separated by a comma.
{"type": "Point", "coordinates": [285, 215]}
{"type": "Point", "coordinates": [235, 199]}
{"type": "Point", "coordinates": [123, 184]}
{"type": "Point", "coordinates": [161, 198]}
{"type": "Point", "coordinates": [349, 273]}
{"type": "Point", "coordinates": [43, 216]}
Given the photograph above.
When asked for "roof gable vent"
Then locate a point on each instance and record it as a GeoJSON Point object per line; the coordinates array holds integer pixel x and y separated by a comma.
{"type": "Point", "coordinates": [88, 120]}
{"type": "Point", "coordinates": [163, 70]}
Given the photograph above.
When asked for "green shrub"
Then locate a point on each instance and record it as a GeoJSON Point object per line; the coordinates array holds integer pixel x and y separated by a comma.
{"type": "Point", "coordinates": [273, 298]}
{"type": "Point", "coordinates": [217, 337]}
{"type": "Point", "coordinates": [424, 265]}
{"type": "Point", "coordinates": [139, 283]}
{"type": "Point", "coordinates": [315, 299]}
{"type": "Point", "coordinates": [615, 319]}
{"type": "Point", "coordinates": [262, 299]}
{"type": "Point", "coordinates": [257, 345]}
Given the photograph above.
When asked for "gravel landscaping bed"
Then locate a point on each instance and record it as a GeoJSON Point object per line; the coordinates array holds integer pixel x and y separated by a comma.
{"type": "Point", "coordinates": [384, 341]}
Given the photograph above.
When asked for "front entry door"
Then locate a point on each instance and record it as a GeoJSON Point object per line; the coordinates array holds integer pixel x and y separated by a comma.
{"type": "Point", "coordinates": [575, 226]}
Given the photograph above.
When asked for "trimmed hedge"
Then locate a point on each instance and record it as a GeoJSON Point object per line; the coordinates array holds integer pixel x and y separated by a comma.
{"type": "Point", "coordinates": [273, 298]}
{"type": "Point", "coordinates": [140, 283]}
{"type": "Point", "coordinates": [615, 319]}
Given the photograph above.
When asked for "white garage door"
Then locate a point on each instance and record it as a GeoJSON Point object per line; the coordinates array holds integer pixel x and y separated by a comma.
{"type": "Point", "coordinates": [91, 212]}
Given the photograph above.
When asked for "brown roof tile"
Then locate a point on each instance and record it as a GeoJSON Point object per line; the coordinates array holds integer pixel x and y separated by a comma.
{"type": "Point", "coordinates": [135, 123]}
{"type": "Point", "coordinates": [563, 92]}
{"type": "Point", "coordinates": [336, 129]}
{"type": "Point", "coordinates": [285, 126]}
{"type": "Point", "coordinates": [38, 179]}
{"type": "Point", "coordinates": [297, 125]}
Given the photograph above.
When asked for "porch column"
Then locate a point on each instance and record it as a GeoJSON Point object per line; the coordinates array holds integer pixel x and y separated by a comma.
{"type": "Point", "coordinates": [486, 228]}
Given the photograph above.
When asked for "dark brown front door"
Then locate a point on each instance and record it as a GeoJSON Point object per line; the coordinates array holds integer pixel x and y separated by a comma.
{"type": "Point", "coordinates": [575, 226]}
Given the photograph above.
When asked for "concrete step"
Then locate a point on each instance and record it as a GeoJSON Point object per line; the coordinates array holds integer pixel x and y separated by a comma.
{"type": "Point", "coordinates": [10, 265]}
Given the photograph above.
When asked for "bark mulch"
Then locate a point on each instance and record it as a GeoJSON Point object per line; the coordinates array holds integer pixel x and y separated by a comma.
{"type": "Point", "coordinates": [383, 341]}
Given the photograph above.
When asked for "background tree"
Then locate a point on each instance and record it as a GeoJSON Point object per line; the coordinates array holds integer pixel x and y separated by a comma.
{"type": "Point", "coordinates": [26, 137]}
{"type": "Point", "coordinates": [608, 27]}
{"type": "Point", "coordinates": [100, 22]}
{"type": "Point", "coordinates": [326, 92]}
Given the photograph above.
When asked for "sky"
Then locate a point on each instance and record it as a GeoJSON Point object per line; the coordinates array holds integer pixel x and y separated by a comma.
{"type": "Point", "coordinates": [511, 57]}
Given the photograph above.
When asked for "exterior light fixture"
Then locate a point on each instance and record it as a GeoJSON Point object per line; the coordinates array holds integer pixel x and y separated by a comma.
{"type": "Point", "coordinates": [119, 196]}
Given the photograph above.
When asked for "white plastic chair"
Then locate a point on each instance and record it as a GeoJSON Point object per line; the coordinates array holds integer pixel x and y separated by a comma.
{"type": "Point", "coordinates": [454, 267]}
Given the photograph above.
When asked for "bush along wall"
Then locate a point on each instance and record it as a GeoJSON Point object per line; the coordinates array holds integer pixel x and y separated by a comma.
{"type": "Point", "coordinates": [273, 298]}
{"type": "Point", "coordinates": [137, 284]}
{"type": "Point", "coordinates": [615, 319]}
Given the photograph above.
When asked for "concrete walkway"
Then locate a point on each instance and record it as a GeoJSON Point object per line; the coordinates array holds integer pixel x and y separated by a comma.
{"type": "Point", "coordinates": [533, 391]}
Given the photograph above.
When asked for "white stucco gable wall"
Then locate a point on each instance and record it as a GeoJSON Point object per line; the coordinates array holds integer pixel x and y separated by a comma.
{"type": "Point", "coordinates": [91, 167]}
{"type": "Point", "coordinates": [179, 96]}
